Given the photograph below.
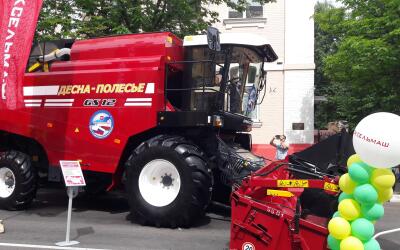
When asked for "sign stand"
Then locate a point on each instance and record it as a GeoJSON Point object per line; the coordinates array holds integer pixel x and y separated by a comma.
{"type": "Point", "coordinates": [72, 193]}
{"type": "Point", "coordinates": [74, 179]}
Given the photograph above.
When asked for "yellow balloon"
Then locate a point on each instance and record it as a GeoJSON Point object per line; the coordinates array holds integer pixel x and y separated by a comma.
{"type": "Point", "coordinates": [339, 228]}
{"type": "Point", "coordinates": [351, 243]}
{"type": "Point", "coordinates": [385, 195]}
{"type": "Point", "coordinates": [346, 184]}
{"type": "Point", "coordinates": [382, 178]}
{"type": "Point", "coordinates": [353, 159]}
{"type": "Point", "coordinates": [349, 209]}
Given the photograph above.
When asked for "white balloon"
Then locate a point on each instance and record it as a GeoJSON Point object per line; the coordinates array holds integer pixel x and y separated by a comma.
{"type": "Point", "coordinates": [376, 140]}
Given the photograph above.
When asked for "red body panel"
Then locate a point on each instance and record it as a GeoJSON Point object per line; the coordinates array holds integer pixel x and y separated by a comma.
{"type": "Point", "coordinates": [123, 75]}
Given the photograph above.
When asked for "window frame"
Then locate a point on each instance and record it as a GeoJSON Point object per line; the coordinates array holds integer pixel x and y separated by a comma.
{"type": "Point", "coordinates": [244, 14]}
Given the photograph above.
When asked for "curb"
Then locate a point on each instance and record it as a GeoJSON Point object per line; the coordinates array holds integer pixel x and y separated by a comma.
{"type": "Point", "coordinates": [395, 198]}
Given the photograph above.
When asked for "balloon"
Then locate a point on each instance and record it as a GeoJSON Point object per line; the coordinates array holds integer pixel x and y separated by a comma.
{"type": "Point", "coordinates": [333, 243]}
{"type": "Point", "coordinates": [349, 209]}
{"type": "Point", "coordinates": [343, 196]}
{"type": "Point", "coordinates": [383, 178]}
{"type": "Point", "coordinates": [346, 184]}
{"type": "Point", "coordinates": [359, 172]}
{"type": "Point", "coordinates": [365, 194]}
{"type": "Point", "coordinates": [353, 159]}
{"type": "Point", "coordinates": [363, 229]}
{"type": "Point", "coordinates": [372, 212]}
{"type": "Point", "coordinates": [336, 214]}
{"type": "Point", "coordinates": [351, 243]}
{"type": "Point", "coordinates": [375, 142]}
{"type": "Point", "coordinates": [339, 228]}
{"type": "Point", "coordinates": [368, 168]}
{"type": "Point", "coordinates": [385, 195]}
{"type": "Point", "coordinates": [372, 244]}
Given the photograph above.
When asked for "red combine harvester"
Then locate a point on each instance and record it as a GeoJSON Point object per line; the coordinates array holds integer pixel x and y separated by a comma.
{"type": "Point", "coordinates": [169, 120]}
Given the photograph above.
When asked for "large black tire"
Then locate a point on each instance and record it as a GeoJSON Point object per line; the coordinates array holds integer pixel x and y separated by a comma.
{"type": "Point", "coordinates": [195, 182]}
{"type": "Point", "coordinates": [24, 178]}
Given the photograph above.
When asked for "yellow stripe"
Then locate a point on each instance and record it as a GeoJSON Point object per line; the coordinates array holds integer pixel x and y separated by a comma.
{"type": "Point", "coordinates": [34, 67]}
{"type": "Point", "coordinates": [331, 187]}
{"type": "Point", "coordinates": [46, 67]}
{"type": "Point", "coordinates": [292, 183]}
{"type": "Point", "coordinates": [279, 193]}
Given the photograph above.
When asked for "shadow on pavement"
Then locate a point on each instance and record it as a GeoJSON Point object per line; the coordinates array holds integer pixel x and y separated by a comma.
{"type": "Point", "coordinates": [51, 202]}
{"type": "Point", "coordinates": [215, 211]}
{"type": "Point", "coordinates": [114, 203]}
{"type": "Point", "coordinates": [83, 231]}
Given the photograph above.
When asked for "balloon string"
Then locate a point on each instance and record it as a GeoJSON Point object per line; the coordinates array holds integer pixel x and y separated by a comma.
{"type": "Point", "coordinates": [387, 232]}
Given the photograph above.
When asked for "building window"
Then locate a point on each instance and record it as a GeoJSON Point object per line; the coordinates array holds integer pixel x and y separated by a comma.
{"type": "Point", "coordinates": [253, 10]}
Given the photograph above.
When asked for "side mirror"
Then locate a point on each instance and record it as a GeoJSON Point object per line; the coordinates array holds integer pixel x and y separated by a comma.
{"type": "Point", "coordinates": [213, 39]}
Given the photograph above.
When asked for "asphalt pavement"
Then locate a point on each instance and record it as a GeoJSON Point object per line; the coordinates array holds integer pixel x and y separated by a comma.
{"type": "Point", "coordinates": [101, 223]}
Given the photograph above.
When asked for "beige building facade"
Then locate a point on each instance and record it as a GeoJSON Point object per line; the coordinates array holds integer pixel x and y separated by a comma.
{"type": "Point", "coordinates": [288, 106]}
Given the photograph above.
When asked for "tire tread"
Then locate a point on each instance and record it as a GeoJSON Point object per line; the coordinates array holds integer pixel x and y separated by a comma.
{"type": "Point", "coordinates": [201, 176]}
{"type": "Point", "coordinates": [21, 165]}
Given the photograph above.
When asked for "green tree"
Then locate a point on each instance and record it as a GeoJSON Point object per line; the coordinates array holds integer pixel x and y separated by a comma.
{"type": "Point", "coordinates": [326, 43]}
{"type": "Point", "coordinates": [94, 18]}
{"type": "Point", "coordinates": [57, 20]}
{"type": "Point", "coordinates": [364, 72]}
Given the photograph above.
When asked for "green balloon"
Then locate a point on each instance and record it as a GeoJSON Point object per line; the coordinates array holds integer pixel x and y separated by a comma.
{"type": "Point", "coordinates": [336, 214]}
{"type": "Point", "coordinates": [372, 244]}
{"type": "Point", "coordinates": [359, 172]}
{"type": "Point", "coordinates": [367, 167]}
{"type": "Point", "coordinates": [365, 194]}
{"type": "Point", "coordinates": [363, 229]}
{"type": "Point", "coordinates": [333, 243]}
{"type": "Point", "coordinates": [343, 196]}
{"type": "Point", "coordinates": [372, 212]}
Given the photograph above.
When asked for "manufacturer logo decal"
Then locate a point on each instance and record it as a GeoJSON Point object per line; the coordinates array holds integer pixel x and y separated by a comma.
{"type": "Point", "coordinates": [248, 246]}
{"type": "Point", "coordinates": [101, 124]}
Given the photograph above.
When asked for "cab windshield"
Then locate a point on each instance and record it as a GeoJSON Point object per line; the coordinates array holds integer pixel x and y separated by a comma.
{"type": "Point", "coordinates": [228, 80]}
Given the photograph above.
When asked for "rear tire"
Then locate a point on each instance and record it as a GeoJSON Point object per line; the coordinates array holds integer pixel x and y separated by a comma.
{"type": "Point", "coordinates": [168, 182]}
{"type": "Point", "coordinates": [17, 180]}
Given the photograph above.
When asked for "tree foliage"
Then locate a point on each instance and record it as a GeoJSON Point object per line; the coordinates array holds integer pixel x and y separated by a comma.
{"type": "Point", "coordinates": [364, 68]}
{"type": "Point", "coordinates": [326, 43]}
{"type": "Point", "coordinates": [94, 18]}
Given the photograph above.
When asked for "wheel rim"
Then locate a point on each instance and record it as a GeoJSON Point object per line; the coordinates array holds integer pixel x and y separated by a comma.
{"type": "Point", "coordinates": [7, 182]}
{"type": "Point", "coordinates": [159, 182]}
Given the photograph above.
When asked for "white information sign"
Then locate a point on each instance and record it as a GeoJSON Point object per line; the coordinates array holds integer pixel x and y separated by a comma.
{"type": "Point", "coordinates": [72, 173]}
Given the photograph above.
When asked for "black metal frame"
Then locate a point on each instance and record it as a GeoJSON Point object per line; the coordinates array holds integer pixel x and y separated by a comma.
{"type": "Point", "coordinates": [167, 70]}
